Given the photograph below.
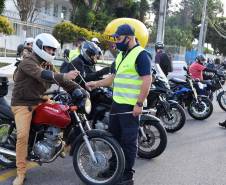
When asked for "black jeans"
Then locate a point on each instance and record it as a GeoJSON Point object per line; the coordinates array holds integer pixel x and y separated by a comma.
{"type": "Point", "coordinates": [124, 128]}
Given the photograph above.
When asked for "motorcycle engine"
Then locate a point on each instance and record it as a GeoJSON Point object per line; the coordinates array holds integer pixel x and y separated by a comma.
{"type": "Point", "coordinates": [46, 148]}
{"type": "Point", "coordinates": [103, 124]}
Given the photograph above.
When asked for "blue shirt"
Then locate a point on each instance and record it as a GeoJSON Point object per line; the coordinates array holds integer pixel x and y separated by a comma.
{"type": "Point", "coordinates": [143, 64]}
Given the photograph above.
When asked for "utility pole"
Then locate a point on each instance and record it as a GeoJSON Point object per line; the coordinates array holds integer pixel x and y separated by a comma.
{"type": "Point", "coordinates": [161, 21]}
{"type": "Point", "coordinates": [201, 33]}
{"type": "Point", "coordinates": [205, 31]}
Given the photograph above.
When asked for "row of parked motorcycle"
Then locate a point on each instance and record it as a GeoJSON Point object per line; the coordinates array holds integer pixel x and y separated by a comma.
{"type": "Point", "coordinates": [81, 121]}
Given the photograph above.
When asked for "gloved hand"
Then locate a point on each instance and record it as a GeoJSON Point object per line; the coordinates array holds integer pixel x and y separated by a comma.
{"type": "Point", "coordinates": [104, 71]}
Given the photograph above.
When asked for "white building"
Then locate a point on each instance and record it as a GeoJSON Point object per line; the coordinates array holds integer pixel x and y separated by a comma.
{"type": "Point", "coordinates": [48, 14]}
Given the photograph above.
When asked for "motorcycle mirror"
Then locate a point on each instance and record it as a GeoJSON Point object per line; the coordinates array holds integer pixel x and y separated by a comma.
{"type": "Point", "coordinates": [185, 68]}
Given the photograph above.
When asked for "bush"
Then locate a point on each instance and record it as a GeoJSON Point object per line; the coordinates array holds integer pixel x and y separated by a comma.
{"type": "Point", "coordinates": [66, 32]}
{"type": "Point", "coordinates": [5, 26]}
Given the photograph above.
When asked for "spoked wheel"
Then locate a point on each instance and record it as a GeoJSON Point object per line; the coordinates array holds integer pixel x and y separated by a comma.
{"type": "Point", "coordinates": [221, 98]}
{"type": "Point", "coordinates": [9, 143]}
{"type": "Point", "coordinates": [202, 109]}
{"type": "Point", "coordinates": [176, 120]}
{"type": "Point", "coordinates": [106, 150]}
{"type": "Point", "coordinates": [154, 142]}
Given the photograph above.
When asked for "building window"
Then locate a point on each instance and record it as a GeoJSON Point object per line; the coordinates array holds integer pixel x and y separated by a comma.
{"type": "Point", "coordinates": [64, 12]}
{"type": "Point", "coordinates": [16, 29]}
{"type": "Point", "coordinates": [47, 7]}
{"type": "Point", "coordinates": [55, 12]}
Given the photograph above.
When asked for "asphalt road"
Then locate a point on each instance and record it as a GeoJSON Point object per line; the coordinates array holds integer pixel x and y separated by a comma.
{"type": "Point", "coordinates": [195, 155]}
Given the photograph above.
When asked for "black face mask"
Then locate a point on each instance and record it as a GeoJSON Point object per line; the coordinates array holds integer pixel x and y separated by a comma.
{"type": "Point", "coordinates": [122, 46]}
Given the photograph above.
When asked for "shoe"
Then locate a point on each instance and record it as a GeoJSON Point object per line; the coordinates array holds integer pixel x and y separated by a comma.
{"type": "Point", "coordinates": [127, 178]}
{"type": "Point", "coordinates": [19, 180]}
{"type": "Point", "coordinates": [223, 124]}
{"type": "Point", "coordinates": [65, 151]}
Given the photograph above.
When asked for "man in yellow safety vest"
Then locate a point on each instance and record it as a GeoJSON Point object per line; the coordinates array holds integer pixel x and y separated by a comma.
{"type": "Point", "coordinates": [131, 79]}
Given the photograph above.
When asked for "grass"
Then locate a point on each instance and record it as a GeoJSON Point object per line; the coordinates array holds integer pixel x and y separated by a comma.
{"type": "Point", "coordinates": [3, 64]}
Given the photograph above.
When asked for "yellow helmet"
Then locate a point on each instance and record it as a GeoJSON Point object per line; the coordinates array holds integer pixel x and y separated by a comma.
{"type": "Point", "coordinates": [141, 31]}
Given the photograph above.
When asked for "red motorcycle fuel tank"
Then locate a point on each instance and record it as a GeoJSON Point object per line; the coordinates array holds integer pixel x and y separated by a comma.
{"type": "Point", "coordinates": [52, 114]}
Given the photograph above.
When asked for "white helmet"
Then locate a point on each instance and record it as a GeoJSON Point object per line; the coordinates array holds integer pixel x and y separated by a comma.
{"type": "Point", "coordinates": [28, 40]}
{"type": "Point", "coordinates": [95, 40]}
{"type": "Point", "coordinates": [42, 40]}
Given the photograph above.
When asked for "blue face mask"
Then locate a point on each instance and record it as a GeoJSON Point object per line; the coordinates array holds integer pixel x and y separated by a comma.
{"type": "Point", "coordinates": [122, 46]}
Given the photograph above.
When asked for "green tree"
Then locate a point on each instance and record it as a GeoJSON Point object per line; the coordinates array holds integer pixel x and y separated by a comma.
{"type": "Point", "coordinates": [96, 14]}
{"type": "Point", "coordinates": [5, 26]}
{"type": "Point", "coordinates": [216, 35]}
{"type": "Point", "coordinates": [64, 32]}
{"type": "Point", "coordinates": [2, 6]}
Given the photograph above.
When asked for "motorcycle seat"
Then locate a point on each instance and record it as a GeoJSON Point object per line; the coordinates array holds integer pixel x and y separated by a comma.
{"type": "Point", "coordinates": [177, 81]}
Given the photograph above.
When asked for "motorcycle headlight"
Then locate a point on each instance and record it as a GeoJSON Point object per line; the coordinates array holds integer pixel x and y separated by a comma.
{"type": "Point", "coordinates": [87, 106]}
{"type": "Point", "coordinates": [167, 85]}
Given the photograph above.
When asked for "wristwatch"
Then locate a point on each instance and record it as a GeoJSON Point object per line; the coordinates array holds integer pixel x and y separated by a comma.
{"type": "Point", "coordinates": [139, 104]}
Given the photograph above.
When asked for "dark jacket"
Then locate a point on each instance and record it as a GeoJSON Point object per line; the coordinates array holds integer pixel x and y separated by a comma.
{"type": "Point", "coordinates": [87, 70]}
{"type": "Point", "coordinates": [164, 61]}
{"type": "Point", "coordinates": [30, 84]}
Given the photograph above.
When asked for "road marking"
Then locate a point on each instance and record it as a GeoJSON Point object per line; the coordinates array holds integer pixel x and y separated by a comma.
{"type": "Point", "coordinates": [12, 173]}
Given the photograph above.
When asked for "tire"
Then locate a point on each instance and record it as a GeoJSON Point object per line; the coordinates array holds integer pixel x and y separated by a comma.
{"type": "Point", "coordinates": [178, 118]}
{"type": "Point", "coordinates": [94, 138]}
{"type": "Point", "coordinates": [201, 110]}
{"type": "Point", "coordinates": [5, 160]}
{"type": "Point", "coordinates": [220, 99]}
{"type": "Point", "coordinates": [150, 127]}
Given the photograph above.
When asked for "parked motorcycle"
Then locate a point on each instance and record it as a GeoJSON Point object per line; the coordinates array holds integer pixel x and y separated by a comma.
{"type": "Point", "coordinates": [199, 107]}
{"type": "Point", "coordinates": [170, 112]}
{"type": "Point", "coordinates": [214, 83]}
{"type": "Point", "coordinates": [152, 139]}
{"type": "Point", "coordinates": [55, 124]}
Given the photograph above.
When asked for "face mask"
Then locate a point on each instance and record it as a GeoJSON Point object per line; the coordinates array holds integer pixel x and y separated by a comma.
{"type": "Point", "coordinates": [122, 46]}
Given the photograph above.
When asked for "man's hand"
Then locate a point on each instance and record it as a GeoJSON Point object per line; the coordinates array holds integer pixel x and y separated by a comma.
{"type": "Point", "coordinates": [71, 75]}
{"type": "Point", "coordinates": [91, 85]}
{"type": "Point", "coordinates": [137, 110]}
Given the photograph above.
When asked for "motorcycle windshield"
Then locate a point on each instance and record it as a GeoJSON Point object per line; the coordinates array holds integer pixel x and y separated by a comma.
{"type": "Point", "coordinates": [160, 73]}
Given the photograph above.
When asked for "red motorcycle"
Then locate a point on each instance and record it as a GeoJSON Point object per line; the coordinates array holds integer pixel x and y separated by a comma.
{"type": "Point", "coordinates": [56, 124]}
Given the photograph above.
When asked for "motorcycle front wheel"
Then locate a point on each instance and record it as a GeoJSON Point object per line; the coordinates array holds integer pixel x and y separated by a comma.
{"type": "Point", "coordinates": [177, 118]}
{"type": "Point", "coordinates": [106, 149]}
{"type": "Point", "coordinates": [202, 109]}
{"type": "Point", "coordinates": [7, 142]}
{"type": "Point", "coordinates": [155, 140]}
{"type": "Point", "coordinates": [221, 98]}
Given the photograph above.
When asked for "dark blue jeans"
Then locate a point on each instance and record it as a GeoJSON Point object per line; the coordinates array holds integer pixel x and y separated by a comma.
{"type": "Point", "coordinates": [124, 128]}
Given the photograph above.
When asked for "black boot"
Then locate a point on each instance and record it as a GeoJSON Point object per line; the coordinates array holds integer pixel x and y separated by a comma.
{"type": "Point", "coordinates": [127, 178]}
{"type": "Point", "coordinates": [223, 124]}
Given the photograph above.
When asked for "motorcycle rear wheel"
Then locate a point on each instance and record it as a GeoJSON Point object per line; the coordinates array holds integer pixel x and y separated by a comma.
{"type": "Point", "coordinates": [151, 147]}
{"type": "Point", "coordinates": [105, 148]}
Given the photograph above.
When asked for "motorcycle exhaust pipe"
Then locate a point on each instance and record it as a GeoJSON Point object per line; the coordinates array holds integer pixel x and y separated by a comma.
{"type": "Point", "coordinates": [8, 152]}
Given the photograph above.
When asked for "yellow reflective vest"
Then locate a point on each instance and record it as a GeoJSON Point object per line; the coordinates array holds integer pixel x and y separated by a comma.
{"type": "Point", "coordinates": [73, 54]}
{"type": "Point", "coordinates": [127, 82]}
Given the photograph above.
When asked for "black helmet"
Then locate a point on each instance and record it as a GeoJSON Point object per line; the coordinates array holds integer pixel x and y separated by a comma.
{"type": "Point", "coordinates": [200, 58]}
{"type": "Point", "coordinates": [66, 53]}
{"type": "Point", "coordinates": [159, 45]}
{"type": "Point", "coordinates": [19, 50]}
{"type": "Point", "coordinates": [90, 49]}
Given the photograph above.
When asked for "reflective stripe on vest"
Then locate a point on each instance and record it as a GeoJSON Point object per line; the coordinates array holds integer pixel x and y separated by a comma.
{"type": "Point", "coordinates": [127, 82]}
